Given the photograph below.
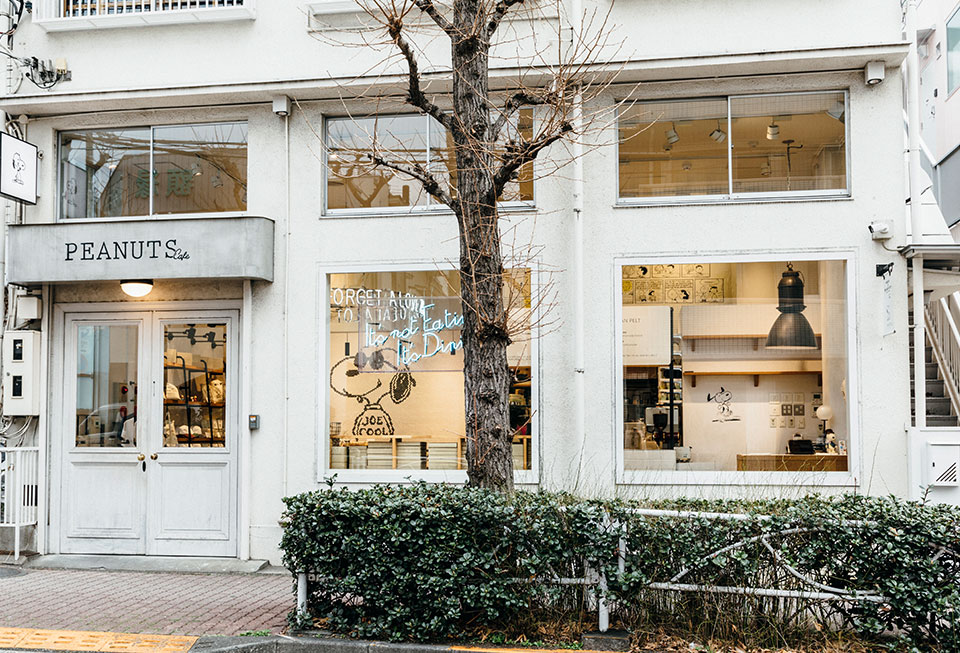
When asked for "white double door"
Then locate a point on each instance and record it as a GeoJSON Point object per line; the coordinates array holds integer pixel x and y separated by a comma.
{"type": "Point", "coordinates": [150, 433]}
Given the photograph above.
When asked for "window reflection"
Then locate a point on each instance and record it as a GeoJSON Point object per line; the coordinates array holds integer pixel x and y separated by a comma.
{"type": "Point", "coordinates": [673, 148]}
{"type": "Point", "coordinates": [788, 143]}
{"type": "Point", "coordinates": [106, 386]}
{"type": "Point", "coordinates": [196, 169]}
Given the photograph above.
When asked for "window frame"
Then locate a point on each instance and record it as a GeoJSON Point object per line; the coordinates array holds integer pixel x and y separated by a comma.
{"type": "Point", "coordinates": [953, 15]}
{"type": "Point", "coordinates": [847, 479]}
{"type": "Point", "coordinates": [432, 206]}
{"type": "Point", "coordinates": [730, 196]}
{"type": "Point", "coordinates": [150, 215]}
{"type": "Point", "coordinates": [405, 476]}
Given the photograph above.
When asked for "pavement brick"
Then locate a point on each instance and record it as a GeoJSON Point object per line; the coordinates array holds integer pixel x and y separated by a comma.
{"type": "Point", "coordinates": [153, 603]}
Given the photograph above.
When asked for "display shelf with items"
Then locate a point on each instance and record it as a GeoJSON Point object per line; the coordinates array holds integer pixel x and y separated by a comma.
{"type": "Point", "coordinates": [194, 396]}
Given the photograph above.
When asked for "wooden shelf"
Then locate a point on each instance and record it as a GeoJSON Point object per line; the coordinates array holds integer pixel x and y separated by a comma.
{"type": "Point", "coordinates": [756, 375]}
{"type": "Point", "coordinates": [194, 404]}
{"type": "Point", "coordinates": [190, 368]}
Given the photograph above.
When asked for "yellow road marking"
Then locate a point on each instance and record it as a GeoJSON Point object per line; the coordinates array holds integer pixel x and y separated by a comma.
{"type": "Point", "coordinates": [77, 640]}
{"type": "Point", "coordinates": [501, 649]}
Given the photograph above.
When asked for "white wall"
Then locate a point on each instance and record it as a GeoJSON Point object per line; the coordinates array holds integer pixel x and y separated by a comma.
{"type": "Point", "coordinates": [287, 375]}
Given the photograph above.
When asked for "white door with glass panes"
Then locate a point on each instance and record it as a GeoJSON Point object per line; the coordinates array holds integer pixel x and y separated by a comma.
{"type": "Point", "coordinates": [150, 433]}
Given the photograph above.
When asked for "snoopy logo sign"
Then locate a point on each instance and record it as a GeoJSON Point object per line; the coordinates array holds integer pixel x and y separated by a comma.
{"type": "Point", "coordinates": [18, 169]}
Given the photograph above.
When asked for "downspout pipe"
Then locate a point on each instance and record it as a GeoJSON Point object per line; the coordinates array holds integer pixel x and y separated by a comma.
{"type": "Point", "coordinates": [579, 389]}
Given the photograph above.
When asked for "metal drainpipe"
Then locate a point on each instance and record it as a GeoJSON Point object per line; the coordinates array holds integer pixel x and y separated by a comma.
{"type": "Point", "coordinates": [286, 304]}
{"type": "Point", "coordinates": [579, 389]}
{"type": "Point", "coordinates": [913, 157]}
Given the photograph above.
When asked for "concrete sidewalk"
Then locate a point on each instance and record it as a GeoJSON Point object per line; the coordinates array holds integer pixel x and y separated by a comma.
{"type": "Point", "coordinates": [144, 602]}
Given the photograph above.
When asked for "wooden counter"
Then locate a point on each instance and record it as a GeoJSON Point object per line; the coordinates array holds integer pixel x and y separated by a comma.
{"type": "Point", "coordinates": [787, 462]}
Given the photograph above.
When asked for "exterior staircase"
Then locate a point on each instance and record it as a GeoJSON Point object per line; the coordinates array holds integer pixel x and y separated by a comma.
{"type": "Point", "coordinates": [939, 411]}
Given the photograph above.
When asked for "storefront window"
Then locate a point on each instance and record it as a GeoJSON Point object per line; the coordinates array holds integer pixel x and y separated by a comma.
{"type": "Point", "coordinates": [735, 366]}
{"type": "Point", "coordinates": [194, 388]}
{"type": "Point", "coordinates": [395, 390]}
{"type": "Point", "coordinates": [354, 181]}
{"type": "Point", "coordinates": [106, 385]}
{"type": "Point", "coordinates": [195, 169]}
{"type": "Point", "coordinates": [777, 144]}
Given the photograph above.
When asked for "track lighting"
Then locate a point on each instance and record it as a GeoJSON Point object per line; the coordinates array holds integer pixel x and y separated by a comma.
{"type": "Point", "coordinates": [773, 130]}
{"type": "Point", "coordinates": [672, 135]}
{"type": "Point", "coordinates": [718, 134]}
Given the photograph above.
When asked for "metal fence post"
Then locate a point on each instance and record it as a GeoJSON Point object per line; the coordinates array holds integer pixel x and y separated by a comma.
{"type": "Point", "coordinates": [301, 593]}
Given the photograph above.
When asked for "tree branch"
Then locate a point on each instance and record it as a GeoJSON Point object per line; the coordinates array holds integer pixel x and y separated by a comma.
{"type": "Point", "coordinates": [499, 11]}
{"type": "Point", "coordinates": [518, 156]}
{"type": "Point", "coordinates": [430, 9]}
{"type": "Point", "coordinates": [513, 103]}
{"type": "Point", "coordinates": [415, 95]}
{"type": "Point", "coordinates": [421, 174]}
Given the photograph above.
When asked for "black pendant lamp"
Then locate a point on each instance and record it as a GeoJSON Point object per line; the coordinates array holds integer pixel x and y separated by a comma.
{"type": "Point", "coordinates": [791, 330]}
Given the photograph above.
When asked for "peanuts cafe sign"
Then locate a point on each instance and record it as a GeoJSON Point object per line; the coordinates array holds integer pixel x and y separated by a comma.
{"type": "Point", "coordinates": [203, 248]}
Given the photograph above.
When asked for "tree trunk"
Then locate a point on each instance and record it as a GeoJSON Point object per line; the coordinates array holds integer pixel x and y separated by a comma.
{"type": "Point", "coordinates": [486, 375]}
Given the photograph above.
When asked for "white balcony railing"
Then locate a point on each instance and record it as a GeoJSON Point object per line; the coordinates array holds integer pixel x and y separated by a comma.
{"type": "Point", "coordinates": [55, 15]}
{"type": "Point", "coordinates": [19, 490]}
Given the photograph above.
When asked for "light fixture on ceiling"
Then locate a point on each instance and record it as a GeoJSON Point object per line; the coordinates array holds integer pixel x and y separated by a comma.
{"type": "Point", "coordinates": [718, 134]}
{"type": "Point", "coordinates": [672, 135]}
{"type": "Point", "coordinates": [773, 130]}
{"type": "Point", "coordinates": [136, 287]}
{"type": "Point", "coordinates": [837, 110]}
{"type": "Point", "coordinates": [791, 329]}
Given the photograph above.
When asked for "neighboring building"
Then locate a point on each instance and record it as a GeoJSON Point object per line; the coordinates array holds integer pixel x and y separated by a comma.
{"type": "Point", "coordinates": [755, 156]}
{"type": "Point", "coordinates": [939, 40]}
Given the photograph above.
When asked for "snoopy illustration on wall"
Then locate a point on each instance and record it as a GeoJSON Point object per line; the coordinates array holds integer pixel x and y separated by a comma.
{"type": "Point", "coordinates": [19, 165]}
{"type": "Point", "coordinates": [373, 420]}
{"type": "Point", "coordinates": [724, 409]}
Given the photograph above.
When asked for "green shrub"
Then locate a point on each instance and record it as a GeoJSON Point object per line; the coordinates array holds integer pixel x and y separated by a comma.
{"type": "Point", "coordinates": [426, 562]}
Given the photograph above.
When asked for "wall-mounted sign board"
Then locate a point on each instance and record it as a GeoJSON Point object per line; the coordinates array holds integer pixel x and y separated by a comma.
{"type": "Point", "coordinates": [18, 169]}
{"type": "Point", "coordinates": [187, 248]}
{"type": "Point", "coordinates": [647, 335]}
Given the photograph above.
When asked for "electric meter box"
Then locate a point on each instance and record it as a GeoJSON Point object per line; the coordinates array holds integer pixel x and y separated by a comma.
{"type": "Point", "coordinates": [943, 460]}
{"type": "Point", "coordinates": [21, 373]}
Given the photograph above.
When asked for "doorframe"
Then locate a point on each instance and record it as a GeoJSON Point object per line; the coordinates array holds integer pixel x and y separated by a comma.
{"type": "Point", "coordinates": [54, 446]}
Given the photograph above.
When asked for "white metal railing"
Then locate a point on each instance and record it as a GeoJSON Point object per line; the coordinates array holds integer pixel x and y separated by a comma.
{"type": "Point", "coordinates": [941, 325]}
{"type": "Point", "coordinates": [85, 8]}
{"type": "Point", "coordinates": [19, 490]}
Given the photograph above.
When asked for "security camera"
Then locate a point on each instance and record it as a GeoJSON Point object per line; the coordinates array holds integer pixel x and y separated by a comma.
{"type": "Point", "coordinates": [880, 230]}
{"type": "Point", "coordinates": [281, 105]}
{"type": "Point", "coordinates": [873, 73]}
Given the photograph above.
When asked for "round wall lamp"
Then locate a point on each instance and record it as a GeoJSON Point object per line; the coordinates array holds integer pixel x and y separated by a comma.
{"type": "Point", "coordinates": [136, 287]}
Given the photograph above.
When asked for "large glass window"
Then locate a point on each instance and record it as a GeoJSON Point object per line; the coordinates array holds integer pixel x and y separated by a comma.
{"type": "Point", "coordinates": [106, 385]}
{"type": "Point", "coordinates": [735, 366]}
{"type": "Point", "coordinates": [953, 52]}
{"type": "Point", "coordinates": [153, 171]}
{"type": "Point", "coordinates": [776, 143]}
{"type": "Point", "coordinates": [355, 182]}
{"type": "Point", "coordinates": [395, 390]}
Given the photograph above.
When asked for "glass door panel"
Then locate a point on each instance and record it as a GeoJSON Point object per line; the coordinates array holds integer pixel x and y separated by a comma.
{"type": "Point", "coordinates": [106, 378]}
{"type": "Point", "coordinates": [194, 385]}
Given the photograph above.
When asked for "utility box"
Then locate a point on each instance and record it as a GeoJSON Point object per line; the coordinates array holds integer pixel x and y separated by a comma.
{"type": "Point", "coordinates": [942, 463]}
{"type": "Point", "coordinates": [21, 373]}
{"type": "Point", "coordinates": [28, 307]}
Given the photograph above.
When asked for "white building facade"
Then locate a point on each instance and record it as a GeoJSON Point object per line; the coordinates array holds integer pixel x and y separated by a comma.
{"type": "Point", "coordinates": [721, 323]}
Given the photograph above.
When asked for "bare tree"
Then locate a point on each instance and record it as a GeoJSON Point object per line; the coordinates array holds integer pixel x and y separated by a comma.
{"type": "Point", "coordinates": [554, 76]}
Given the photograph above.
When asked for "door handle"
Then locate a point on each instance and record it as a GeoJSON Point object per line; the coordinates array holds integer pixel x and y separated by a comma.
{"type": "Point", "coordinates": [153, 456]}
{"type": "Point", "coordinates": [139, 456]}
{"type": "Point", "coordinates": [143, 464]}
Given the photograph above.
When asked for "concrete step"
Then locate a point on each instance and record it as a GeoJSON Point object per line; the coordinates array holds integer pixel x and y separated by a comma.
{"type": "Point", "coordinates": [932, 371]}
{"type": "Point", "coordinates": [942, 420]}
{"type": "Point", "coordinates": [934, 388]}
{"type": "Point", "coordinates": [938, 406]}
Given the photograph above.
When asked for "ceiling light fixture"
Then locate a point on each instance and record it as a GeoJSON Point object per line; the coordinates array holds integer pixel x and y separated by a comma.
{"type": "Point", "coordinates": [773, 130]}
{"type": "Point", "coordinates": [791, 329]}
{"type": "Point", "coordinates": [672, 135]}
{"type": "Point", "coordinates": [837, 110]}
{"type": "Point", "coordinates": [718, 134]}
{"type": "Point", "coordinates": [136, 287]}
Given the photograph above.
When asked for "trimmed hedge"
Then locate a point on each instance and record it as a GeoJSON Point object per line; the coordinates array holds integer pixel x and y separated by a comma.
{"type": "Point", "coordinates": [427, 562]}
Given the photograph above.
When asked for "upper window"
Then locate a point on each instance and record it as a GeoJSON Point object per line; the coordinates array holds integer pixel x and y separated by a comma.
{"type": "Point", "coordinates": [953, 52]}
{"type": "Point", "coordinates": [354, 182]}
{"type": "Point", "coordinates": [179, 169]}
{"type": "Point", "coordinates": [733, 147]}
